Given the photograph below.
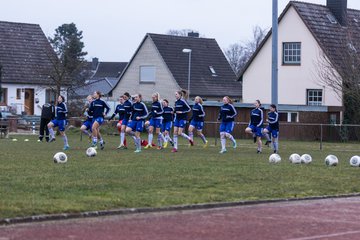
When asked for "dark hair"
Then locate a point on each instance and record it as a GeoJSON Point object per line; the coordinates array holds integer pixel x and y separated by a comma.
{"type": "Point", "coordinates": [99, 93]}
{"type": "Point", "coordinates": [258, 101]}
{"type": "Point", "coordinates": [165, 100]}
{"type": "Point", "coordinates": [182, 93]}
{"type": "Point", "coordinates": [127, 94]}
{"type": "Point", "coordinates": [62, 97]}
{"type": "Point", "coordinates": [274, 106]}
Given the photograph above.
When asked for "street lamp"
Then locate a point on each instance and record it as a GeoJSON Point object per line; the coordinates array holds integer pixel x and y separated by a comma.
{"type": "Point", "coordinates": [187, 50]}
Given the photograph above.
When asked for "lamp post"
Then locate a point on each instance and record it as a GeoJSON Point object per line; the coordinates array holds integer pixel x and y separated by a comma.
{"type": "Point", "coordinates": [187, 50]}
{"type": "Point", "coordinates": [1, 67]}
{"type": "Point", "coordinates": [274, 69]}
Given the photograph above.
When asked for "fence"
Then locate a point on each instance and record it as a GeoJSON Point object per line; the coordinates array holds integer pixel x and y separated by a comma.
{"type": "Point", "coordinates": [288, 131]}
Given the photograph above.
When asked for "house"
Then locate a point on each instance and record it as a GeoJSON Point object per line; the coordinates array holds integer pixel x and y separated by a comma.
{"type": "Point", "coordinates": [25, 59]}
{"type": "Point", "coordinates": [104, 76]}
{"type": "Point", "coordinates": [161, 64]}
{"type": "Point", "coordinates": [309, 35]}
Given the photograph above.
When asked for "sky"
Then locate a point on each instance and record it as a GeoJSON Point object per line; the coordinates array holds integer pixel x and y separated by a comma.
{"type": "Point", "coordinates": [113, 29]}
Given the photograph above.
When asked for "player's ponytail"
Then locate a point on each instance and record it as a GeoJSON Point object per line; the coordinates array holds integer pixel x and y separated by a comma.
{"type": "Point", "coordinates": [62, 98]}
{"type": "Point", "coordinates": [258, 101]}
{"type": "Point", "coordinates": [229, 99]}
{"type": "Point", "coordinates": [157, 95]}
{"type": "Point", "coordinates": [200, 99]}
{"type": "Point", "coordinates": [184, 93]}
{"type": "Point", "coordinates": [274, 107]}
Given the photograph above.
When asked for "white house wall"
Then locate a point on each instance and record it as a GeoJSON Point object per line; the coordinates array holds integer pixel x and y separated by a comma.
{"type": "Point", "coordinates": [293, 80]}
{"type": "Point", "coordinates": [130, 81]}
{"type": "Point", "coordinates": [18, 104]}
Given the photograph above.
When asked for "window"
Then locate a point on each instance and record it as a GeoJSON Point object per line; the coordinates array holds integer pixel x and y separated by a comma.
{"type": "Point", "coordinates": [292, 53]}
{"type": "Point", "coordinates": [50, 96]}
{"type": "Point", "coordinates": [314, 97]}
{"type": "Point", "coordinates": [18, 93]}
{"type": "Point", "coordinates": [331, 18]}
{"type": "Point", "coordinates": [3, 96]}
{"type": "Point", "coordinates": [147, 73]}
{"type": "Point", "coordinates": [333, 118]}
{"type": "Point", "coordinates": [288, 117]}
{"type": "Point", "coordinates": [212, 70]}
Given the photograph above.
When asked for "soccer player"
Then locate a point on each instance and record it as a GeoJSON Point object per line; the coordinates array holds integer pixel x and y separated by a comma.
{"type": "Point", "coordinates": [166, 126]}
{"type": "Point", "coordinates": [120, 109]}
{"type": "Point", "coordinates": [136, 125]}
{"type": "Point", "coordinates": [87, 124]}
{"type": "Point", "coordinates": [273, 129]}
{"type": "Point", "coordinates": [125, 121]}
{"type": "Point", "coordinates": [197, 121]}
{"type": "Point", "coordinates": [181, 110]}
{"type": "Point", "coordinates": [47, 114]}
{"type": "Point", "coordinates": [155, 121]}
{"type": "Point", "coordinates": [59, 121]}
{"type": "Point", "coordinates": [256, 124]}
{"type": "Point", "coordinates": [227, 116]}
{"type": "Point", "coordinates": [99, 109]}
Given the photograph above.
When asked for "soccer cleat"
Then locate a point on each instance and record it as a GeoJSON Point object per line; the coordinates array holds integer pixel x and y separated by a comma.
{"type": "Point", "coordinates": [276, 151]}
{"type": "Point", "coordinates": [159, 148]}
{"type": "Point", "coordinates": [191, 142]}
{"type": "Point", "coordinates": [234, 144]}
{"type": "Point", "coordinates": [137, 151]}
{"type": "Point", "coordinates": [174, 150]}
{"type": "Point", "coordinates": [148, 146]}
{"type": "Point", "coordinates": [206, 144]}
{"type": "Point", "coordinates": [66, 147]}
{"type": "Point", "coordinates": [267, 143]}
{"type": "Point", "coordinates": [258, 152]}
{"type": "Point", "coordinates": [52, 140]}
{"type": "Point", "coordinates": [102, 145]}
{"type": "Point", "coordinates": [165, 144]}
{"type": "Point", "coordinates": [121, 146]}
{"type": "Point", "coordinates": [223, 151]}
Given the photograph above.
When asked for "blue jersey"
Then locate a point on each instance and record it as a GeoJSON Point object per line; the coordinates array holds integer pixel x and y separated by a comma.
{"type": "Point", "coordinates": [139, 109]}
{"type": "Point", "coordinates": [183, 106]}
{"type": "Point", "coordinates": [227, 113]}
{"type": "Point", "coordinates": [119, 110]}
{"type": "Point", "coordinates": [97, 107]}
{"type": "Point", "coordinates": [273, 119]}
{"type": "Point", "coordinates": [198, 112]}
{"type": "Point", "coordinates": [61, 111]}
{"type": "Point", "coordinates": [128, 109]}
{"type": "Point", "coordinates": [156, 110]}
{"type": "Point", "coordinates": [168, 114]}
{"type": "Point", "coordinates": [257, 117]}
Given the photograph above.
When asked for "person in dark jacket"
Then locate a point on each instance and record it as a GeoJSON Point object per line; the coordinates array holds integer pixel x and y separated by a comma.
{"type": "Point", "coordinates": [59, 121]}
{"type": "Point", "coordinates": [256, 124]}
{"type": "Point", "coordinates": [272, 131]}
{"type": "Point", "coordinates": [87, 124]}
{"type": "Point", "coordinates": [47, 114]}
{"type": "Point", "coordinates": [156, 118]}
{"type": "Point", "coordinates": [166, 126]}
{"type": "Point", "coordinates": [227, 116]}
{"type": "Point", "coordinates": [197, 120]}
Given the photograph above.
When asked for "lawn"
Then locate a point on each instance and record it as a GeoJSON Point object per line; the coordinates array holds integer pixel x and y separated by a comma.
{"type": "Point", "coordinates": [30, 183]}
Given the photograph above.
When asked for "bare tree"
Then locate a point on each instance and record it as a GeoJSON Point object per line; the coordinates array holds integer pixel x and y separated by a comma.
{"type": "Point", "coordinates": [339, 70]}
{"type": "Point", "coordinates": [238, 54]}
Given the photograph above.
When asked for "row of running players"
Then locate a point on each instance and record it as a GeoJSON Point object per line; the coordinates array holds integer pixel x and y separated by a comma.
{"type": "Point", "coordinates": [133, 113]}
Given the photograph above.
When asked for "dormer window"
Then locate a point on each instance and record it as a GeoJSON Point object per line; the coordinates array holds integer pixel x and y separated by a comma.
{"type": "Point", "coordinates": [212, 70]}
{"type": "Point", "coordinates": [331, 18]}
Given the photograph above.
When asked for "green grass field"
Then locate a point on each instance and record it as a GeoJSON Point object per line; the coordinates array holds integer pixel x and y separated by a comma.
{"type": "Point", "coordinates": [30, 183]}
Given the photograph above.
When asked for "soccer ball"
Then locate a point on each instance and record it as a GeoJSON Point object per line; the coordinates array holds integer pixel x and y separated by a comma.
{"type": "Point", "coordinates": [355, 161]}
{"type": "Point", "coordinates": [91, 152]}
{"type": "Point", "coordinates": [331, 160]}
{"type": "Point", "coordinates": [274, 158]}
{"type": "Point", "coordinates": [60, 157]}
{"type": "Point", "coordinates": [306, 158]}
{"type": "Point", "coordinates": [295, 158]}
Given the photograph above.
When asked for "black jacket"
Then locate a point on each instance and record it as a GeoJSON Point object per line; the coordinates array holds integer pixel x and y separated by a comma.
{"type": "Point", "coordinates": [48, 111]}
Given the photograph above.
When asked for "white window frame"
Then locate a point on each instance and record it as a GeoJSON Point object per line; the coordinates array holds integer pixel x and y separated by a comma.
{"type": "Point", "coordinates": [289, 116]}
{"type": "Point", "coordinates": [291, 53]}
{"type": "Point", "coordinates": [313, 102]}
{"type": "Point", "coordinates": [145, 74]}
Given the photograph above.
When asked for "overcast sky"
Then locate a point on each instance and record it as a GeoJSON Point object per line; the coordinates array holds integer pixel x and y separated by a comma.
{"type": "Point", "coordinates": [113, 29]}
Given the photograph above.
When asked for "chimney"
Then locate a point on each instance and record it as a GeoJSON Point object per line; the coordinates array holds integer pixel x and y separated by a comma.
{"type": "Point", "coordinates": [339, 9]}
{"type": "Point", "coordinates": [94, 64]}
{"type": "Point", "coordinates": [193, 34]}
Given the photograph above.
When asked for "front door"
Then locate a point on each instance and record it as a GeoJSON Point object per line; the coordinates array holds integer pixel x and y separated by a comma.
{"type": "Point", "coordinates": [29, 101]}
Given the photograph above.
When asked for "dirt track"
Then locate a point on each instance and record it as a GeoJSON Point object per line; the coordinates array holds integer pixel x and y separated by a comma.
{"type": "Point", "coordinates": [303, 220]}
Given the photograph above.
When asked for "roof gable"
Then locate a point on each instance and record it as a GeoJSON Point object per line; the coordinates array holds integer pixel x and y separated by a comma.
{"type": "Point", "coordinates": [24, 53]}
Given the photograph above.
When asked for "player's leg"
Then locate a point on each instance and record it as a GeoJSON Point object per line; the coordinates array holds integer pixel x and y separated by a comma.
{"type": "Point", "coordinates": [50, 126]}
{"type": "Point", "coordinates": [267, 136]}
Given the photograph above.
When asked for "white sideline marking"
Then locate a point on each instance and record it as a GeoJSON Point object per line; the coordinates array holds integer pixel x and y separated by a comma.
{"type": "Point", "coordinates": [326, 236]}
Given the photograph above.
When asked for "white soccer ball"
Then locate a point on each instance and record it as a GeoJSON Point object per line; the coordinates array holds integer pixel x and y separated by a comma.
{"type": "Point", "coordinates": [60, 157]}
{"type": "Point", "coordinates": [91, 152]}
{"type": "Point", "coordinates": [331, 160]}
{"type": "Point", "coordinates": [306, 158]}
{"type": "Point", "coordinates": [295, 158]}
{"type": "Point", "coordinates": [274, 158]}
{"type": "Point", "coordinates": [355, 161]}
{"type": "Point", "coordinates": [26, 140]}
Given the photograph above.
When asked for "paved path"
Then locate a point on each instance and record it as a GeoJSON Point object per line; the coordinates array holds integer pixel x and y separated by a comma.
{"type": "Point", "coordinates": [303, 220]}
